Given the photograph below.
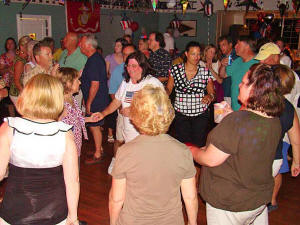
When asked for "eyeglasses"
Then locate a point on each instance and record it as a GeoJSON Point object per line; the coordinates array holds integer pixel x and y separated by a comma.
{"type": "Point", "coordinates": [65, 59]}
{"type": "Point", "coordinates": [133, 66]}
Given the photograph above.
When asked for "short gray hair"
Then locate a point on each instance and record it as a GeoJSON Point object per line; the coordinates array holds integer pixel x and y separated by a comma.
{"type": "Point", "coordinates": [91, 39]}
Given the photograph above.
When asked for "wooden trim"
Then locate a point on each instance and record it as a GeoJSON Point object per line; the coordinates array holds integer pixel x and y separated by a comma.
{"type": "Point", "coordinates": [288, 14]}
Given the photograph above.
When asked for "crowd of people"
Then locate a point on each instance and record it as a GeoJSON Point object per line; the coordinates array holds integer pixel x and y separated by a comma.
{"type": "Point", "coordinates": [158, 108]}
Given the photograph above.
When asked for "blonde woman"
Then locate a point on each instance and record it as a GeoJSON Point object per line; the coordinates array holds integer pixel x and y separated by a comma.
{"type": "Point", "coordinates": [18, 68]}
{"type": "Point", "coordinates": [151, 170]}
{"type": "Point", "coordinates": [43, 182]}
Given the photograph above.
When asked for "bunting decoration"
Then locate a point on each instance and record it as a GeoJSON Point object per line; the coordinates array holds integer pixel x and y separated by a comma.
{"type": "Point", "coordinates": [207, 7]}
{"type": "Point", "coordinates": [154, 4]}
{"type": "Point", "coordinates": [184, 4]}
{"type": "Point", "coordinates": [249, 3]}
{"type": "Point", "coordinates": [227, 4]}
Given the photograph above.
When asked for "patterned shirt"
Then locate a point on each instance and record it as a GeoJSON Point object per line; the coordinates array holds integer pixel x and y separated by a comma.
{"type": "Point", "coordinates": [35, 71]}
{"type": "Point", "coordinates": [189, 93]}
{"type": "Point", "coordinates": [75, 118]}
{"type": "Point", "coordinates": [161, 61]}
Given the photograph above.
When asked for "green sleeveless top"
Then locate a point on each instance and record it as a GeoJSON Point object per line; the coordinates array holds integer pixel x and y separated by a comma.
{"type": "Point", "coordinates": [13, 91]}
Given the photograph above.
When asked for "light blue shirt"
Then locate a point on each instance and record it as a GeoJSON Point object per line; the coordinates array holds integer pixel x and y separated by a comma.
{"type": "Point", "coordinates": [116, 78]}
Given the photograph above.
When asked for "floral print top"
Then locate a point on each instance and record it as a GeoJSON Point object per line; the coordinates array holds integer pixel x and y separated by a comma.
{"type": "Point", "coordinates": [7, 61]}
{"type": "Point", "coordinates": [75, 118]}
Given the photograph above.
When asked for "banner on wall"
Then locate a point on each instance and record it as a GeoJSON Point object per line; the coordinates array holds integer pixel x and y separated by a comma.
{"type": "Point", "coordinates": [82, 17]}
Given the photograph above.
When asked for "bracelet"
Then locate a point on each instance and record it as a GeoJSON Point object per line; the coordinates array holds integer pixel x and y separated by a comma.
{"type": "Point", "coordinates": [212, 96]}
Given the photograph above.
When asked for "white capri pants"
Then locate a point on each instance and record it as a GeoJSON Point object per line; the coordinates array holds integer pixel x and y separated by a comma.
{"type": "Point", "coordinates": [216, 216]}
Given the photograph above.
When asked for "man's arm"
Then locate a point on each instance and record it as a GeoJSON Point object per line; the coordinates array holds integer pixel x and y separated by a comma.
{"type": "Point", "coordinates": [92, 93]}
{"type": "Point", "coordinates": [222, 70]}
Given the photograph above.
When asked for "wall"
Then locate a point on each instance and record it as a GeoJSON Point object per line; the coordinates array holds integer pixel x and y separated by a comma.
{"type": "Point", "coordinates": [111, 29]}
{"type": "Point", "coordinates": [8, 24]}
{"type": "Point", "coordinates": [267, 5]}
{"type": "Point", "coordinates": [206, 31]}
{"type": "Point", "coordinates": [110, 26]}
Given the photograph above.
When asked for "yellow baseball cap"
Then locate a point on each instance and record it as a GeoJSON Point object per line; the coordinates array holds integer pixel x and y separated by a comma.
{"type": "Point", "coordinates": [266, 50]}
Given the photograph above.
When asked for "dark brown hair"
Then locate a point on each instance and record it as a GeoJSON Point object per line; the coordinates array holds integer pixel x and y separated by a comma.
{"type": "Point", "coordinates": [265, 95]}
{"type": "Point", "coordinates": [143, 63]}
{"type": "Point", "coordinates": [286, 76]}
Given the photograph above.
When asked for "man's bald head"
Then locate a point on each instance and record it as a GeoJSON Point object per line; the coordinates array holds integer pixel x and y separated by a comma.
{"type": "Point", "coordinates": [71, 40]}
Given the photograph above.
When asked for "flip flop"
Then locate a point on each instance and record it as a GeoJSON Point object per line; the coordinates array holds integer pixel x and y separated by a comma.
{"type": "Point", "coordinates": [94, 160]}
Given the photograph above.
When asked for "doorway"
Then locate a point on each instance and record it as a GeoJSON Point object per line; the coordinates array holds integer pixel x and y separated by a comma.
{"type": "Point", "coordinates": [36, 26]}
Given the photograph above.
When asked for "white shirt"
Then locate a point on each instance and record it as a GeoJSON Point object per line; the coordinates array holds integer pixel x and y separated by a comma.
{"type": "Point", "coordinates": [125, 94]}
{"type": "Point", "coordinates": [169, 40]}
{"type": "Point", "coordinates": [285, 60]}
{"type": "Point", "coordinates": [37, 145]}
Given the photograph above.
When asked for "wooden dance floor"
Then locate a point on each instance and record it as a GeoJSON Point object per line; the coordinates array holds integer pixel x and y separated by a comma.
{"type": "Point", "coordinates": [95, 184]}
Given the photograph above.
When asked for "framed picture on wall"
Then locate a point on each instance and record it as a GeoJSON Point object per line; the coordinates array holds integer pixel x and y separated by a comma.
{"type": "Point", "coordinates": [188, 28]}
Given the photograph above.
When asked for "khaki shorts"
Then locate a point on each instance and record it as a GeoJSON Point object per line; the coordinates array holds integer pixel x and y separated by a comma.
{"type": "Point", "coordinates": [119, 128]}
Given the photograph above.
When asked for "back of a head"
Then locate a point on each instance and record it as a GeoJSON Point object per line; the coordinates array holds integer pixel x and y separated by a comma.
{"type": "Point", "coordinates": [160, 39]}
{"type": "Point", "coordinates": [266, 94]}
{"type": "Point", "coordinates": [24, 41]}
{"type": "Point", "coordinates": [225, 37]}
{"type": "Point", "coordinates": [37, 49]}
{"type": "Point", "coordinates": [91, 39]}
{"type": "Point", "coordinates": [250, 41]}
{"type": "Point", "coordinates": [286, 76]}
{"type": "Point", "coordinates": [67, 75]}
{"type": "Point", "coordinates": [49, 41]}
{"type": "Point", "coordinates": [151, 111]}
{"type": "Point", "coordinates": [31, 44]}
{"type": "Point", "coordinates": [41, 98]}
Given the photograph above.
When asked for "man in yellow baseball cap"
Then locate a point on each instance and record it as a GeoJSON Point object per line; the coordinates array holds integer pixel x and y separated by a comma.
{"type": "Point", "coordinates": [269, 54]}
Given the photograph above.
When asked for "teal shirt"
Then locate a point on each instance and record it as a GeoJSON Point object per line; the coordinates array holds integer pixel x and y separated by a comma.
{"type": "Point", "coordinates": [236, 71]}
{"type": "Point", "coordinates": [76, 60]}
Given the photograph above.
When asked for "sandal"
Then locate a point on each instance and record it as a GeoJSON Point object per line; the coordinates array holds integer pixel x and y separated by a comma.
{"type": "Point", "coordinates": [95, 160]}
{"type": "Point", "coordinates": [110, 139]}
{"type": "Point", "coordinates": [272, 207]}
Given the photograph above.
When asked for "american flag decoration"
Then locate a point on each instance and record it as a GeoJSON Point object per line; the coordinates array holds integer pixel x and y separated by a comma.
{"type": "Point", "coordinates": [208, 8]}
{"type": "Point", "coordinates": [125, 22]}
{"type": "Point", "coordinates": [175, 23]}
{"type": "Point", "coordinates": [129, 96]}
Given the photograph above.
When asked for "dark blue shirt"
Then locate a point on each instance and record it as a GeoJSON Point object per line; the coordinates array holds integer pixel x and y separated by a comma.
{"type": "Point", "coordinates": [286, 121]}
{"type": "Point", "coordinates": [95, 70]}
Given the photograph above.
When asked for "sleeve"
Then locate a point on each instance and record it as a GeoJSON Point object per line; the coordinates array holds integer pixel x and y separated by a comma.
{"type": "Point", "coordinates": [155, 82]}
{"type": "Point", "coordinates": [229, 70]}
{"type": "Point", "coordinates": [190, 170]}
{"type": "Point", "coordinates": [97, 71]}
{"type": "Point", "coordinates": [121, 164]}
{"type": "Point", "coordinates": [120, 91]}
{"type": "Point", "coordinates": [62, 58]}
{"type": "Point", "coordinates": [113, 82]}
{"type": "Point", "coordinates": [225, 136]}
{"type": "Point", "coordinates": [171, 44]}
{"type": "Point", "coordinates": [173, 69]}
{"type": "Point", "coordinates": [167, 66]}
{"type": "Point", "coordinates": [2, 61]}
{"type": "Point", "coordinates": [82, 62]}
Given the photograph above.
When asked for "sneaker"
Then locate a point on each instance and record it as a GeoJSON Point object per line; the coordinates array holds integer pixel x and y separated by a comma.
{"type": "Point", "coordinates": [111, 166]}
{"type": "Point", "coordinates": [110, 139]}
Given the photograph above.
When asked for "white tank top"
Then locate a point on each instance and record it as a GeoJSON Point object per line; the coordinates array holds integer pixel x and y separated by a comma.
{"type": "Point", "coordinates": [37, 145]}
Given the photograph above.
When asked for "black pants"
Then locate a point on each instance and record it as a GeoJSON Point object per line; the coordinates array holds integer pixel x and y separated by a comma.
{"type": "Point", "coordinates": [192, 129]}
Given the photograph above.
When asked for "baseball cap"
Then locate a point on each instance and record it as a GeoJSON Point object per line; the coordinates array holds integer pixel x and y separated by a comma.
{"type": "Point", "coordinates": [266, 50]}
